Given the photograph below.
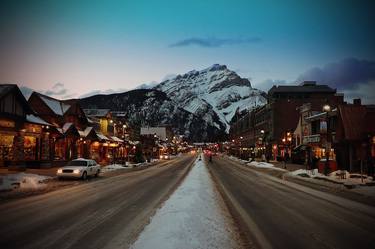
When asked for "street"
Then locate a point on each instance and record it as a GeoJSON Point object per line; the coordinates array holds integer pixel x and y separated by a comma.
{"type": "Point", "coordinates": [275, 215]}
{"type": "Point", "coordinates": [187, 203]}
{"type": "Point", "coordinates": [105, 213]}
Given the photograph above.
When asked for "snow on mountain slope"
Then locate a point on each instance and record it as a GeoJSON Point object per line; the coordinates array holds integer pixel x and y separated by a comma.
{"type": "Point", "coordinates": [147, 107]}
{"type": "Point", "coordinates": [215, 93]}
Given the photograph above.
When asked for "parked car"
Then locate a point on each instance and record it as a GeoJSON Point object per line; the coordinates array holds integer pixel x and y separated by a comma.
{"type": "Point", "coordinates": [299, 154]}
{"type": "Point", "coordinates": [79, 168]}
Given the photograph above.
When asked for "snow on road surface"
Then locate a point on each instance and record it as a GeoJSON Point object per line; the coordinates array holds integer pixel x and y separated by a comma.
{"type": "Point", "coordinates": [193, 217]}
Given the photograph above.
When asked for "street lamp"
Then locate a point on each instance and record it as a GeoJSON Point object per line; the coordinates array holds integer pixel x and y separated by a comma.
{"type": "Point", "coordinates": [241, 147]}
{"type": "Point", "coordinates": [263, 144]}
{"type": "Point", "coordinates": [327, 109]}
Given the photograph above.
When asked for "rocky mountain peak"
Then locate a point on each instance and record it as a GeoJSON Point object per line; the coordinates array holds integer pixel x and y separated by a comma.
{"type": "Point", "coordinates": [215, 92]}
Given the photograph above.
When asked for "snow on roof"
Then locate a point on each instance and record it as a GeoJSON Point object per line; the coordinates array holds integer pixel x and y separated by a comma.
{"type": "Point", "coordinates": [102, 137]}
{"type": "Point", "coordinates": [116, 139]}
{"type": "Point", "coordinates": [36, 120]}
{"type": "Point", "coordinates": [66, 126]}
{"type": "Point", "coordinates": [85, 132]}
{"type": "Point", "coordinates": [82, 134]}
{"type": "Point", "coordinates": [96, 112]}
{"type": "Point", "coordinates": [55, 105]}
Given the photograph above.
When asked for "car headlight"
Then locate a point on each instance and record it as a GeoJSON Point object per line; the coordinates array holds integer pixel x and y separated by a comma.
{"type": "Point", "coordinates": [76, 171]}
{"type": "Point", "coordinates": [161, 157]}
{"type": "Point", "coordinates": [59, 171]}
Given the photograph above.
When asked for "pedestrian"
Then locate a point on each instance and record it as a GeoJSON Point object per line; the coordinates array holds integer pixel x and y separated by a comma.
{"type": "Point", "coordinates": [309, 159]}
{"type": "Point", "coordinates": [268, 157]}
{"type": "Point", "coordinates": [370, 166]}
{"type": "Point", "coordinates": [286, 159]}
{"type": "Point", "coordinates": [314, 162]}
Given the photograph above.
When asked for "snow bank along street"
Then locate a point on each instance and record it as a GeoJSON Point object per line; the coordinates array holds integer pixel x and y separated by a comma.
{"type": "Point", "coordinates": [22, 181]}
{"type": "Point", "coordinates": [193, 217]}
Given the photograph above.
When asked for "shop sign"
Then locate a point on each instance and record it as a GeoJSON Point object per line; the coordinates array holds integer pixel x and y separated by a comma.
{"type": "Point", "coordinates": [7, 123]}
{"type": "Point", "coordinates": [311, 139]}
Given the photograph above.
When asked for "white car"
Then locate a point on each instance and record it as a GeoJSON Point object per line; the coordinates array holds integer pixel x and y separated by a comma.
{"type": "Point", "coordinates": [79, 168]}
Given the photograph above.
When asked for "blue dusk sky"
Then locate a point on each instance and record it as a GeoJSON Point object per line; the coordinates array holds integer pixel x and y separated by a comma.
{"type": "Point", "coordinates": [75, 48]}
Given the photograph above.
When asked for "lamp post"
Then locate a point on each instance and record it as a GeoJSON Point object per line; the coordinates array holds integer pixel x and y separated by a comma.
{"type": "Point", "coordinates": [263, 143]}
{"type": "Point", "coordinates": [285, 148]}
{"type": "Point", "coordinates": [241, 138]}
{"type": "Point", "coordinates": [327, 109]}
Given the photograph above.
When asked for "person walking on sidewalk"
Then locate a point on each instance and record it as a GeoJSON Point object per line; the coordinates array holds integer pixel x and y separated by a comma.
{"type": "Point", "coordinates": [286, 159]}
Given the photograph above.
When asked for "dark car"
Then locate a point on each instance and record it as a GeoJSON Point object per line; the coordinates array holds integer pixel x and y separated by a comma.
{"type": "Point", "coordinates": [299, 154]}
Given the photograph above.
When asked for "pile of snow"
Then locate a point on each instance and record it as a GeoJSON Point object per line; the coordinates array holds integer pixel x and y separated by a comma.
{"type": "Point", "coordinates": [307, 173]}
{"type": "Point", "coordinates": [22, 181]}
{"type": "Point", "coordinates": [112, 167]}
{"type": "Point", "coordinates": [264, 165]}
{"type": "Point", "coordinates": [237, 159]}
{"type": "Point", "coordinates": [339, 176]}
{"type": "Point", "coordinates": [190, 218]}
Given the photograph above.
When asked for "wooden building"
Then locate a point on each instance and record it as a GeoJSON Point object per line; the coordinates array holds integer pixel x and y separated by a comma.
{"type": "Point", "coordinates": [24, 137]}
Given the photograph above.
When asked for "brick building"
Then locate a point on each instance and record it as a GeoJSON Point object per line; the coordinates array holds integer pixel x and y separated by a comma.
{"type": "Point", "coordinates": [273, 122]}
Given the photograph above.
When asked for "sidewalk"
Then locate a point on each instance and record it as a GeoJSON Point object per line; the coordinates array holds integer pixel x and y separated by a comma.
{"type": "Point", "coordinates": [350, 187]}
{"type": "Point", "coordinates": [44, 172]}
{"type": "Point", "coordinates": [289, 166]}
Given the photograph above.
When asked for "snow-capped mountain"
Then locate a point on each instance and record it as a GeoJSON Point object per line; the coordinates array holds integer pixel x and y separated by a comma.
{"type": "Point", "coordinates": [215, 94]}
{"type": "Point", "coordinates": [146, 107]}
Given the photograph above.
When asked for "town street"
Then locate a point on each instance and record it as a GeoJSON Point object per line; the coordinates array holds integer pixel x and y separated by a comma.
{"type": "Point", "coordinates": [106, 213]}
{"type": "Point", "coordinates": [275, 214]}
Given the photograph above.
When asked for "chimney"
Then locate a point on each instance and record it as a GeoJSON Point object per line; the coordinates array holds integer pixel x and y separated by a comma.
{"type": "Point", "coordinates": [357, 101]}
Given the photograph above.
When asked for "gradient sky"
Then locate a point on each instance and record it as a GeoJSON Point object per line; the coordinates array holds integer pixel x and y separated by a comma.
{"type": "Point", "coordinates": [72, 48]}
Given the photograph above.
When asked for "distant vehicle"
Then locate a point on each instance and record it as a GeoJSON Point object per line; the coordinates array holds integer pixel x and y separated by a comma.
{"type": "Point", "coordinates": [165, 156]}
{"type": "Point", "coordinates": [79, 168]}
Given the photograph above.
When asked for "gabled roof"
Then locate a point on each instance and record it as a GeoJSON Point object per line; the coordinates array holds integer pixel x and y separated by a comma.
{"type": "Point", "coordinates": [89, 132]}
{"type": "Point", "coordinates": [96, 112]}
{"type": "Point", "coordinates": [116, 139]}
{"type": "Point", "coordinates": [58, 107]}
{"type": "Point", "coordinates": [5, 89]}
{"type": "Point", "coordinates": [69, 129]}
{"type": "Point", "coordinates": [36, 120]}
{"type": "Point", "coordinates": [102, 137]}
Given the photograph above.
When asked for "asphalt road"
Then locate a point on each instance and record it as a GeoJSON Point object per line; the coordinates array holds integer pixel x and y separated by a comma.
{"type": "Point", "coordinates": [278, 214]}
{"type": "Point", "coordinates": [105, 213]}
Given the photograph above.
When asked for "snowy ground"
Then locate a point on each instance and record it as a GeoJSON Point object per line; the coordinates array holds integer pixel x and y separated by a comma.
{"type": "Point", "coordinates": [112, 167]}
{"type": "Point", "coordinates": [22, 181]}
{"type": "Point", "coordinates": [336, 176]}
{"type": "Point", "coordinates": [264, 165]}
{"type": "Point", "coordinates": [192, 217]}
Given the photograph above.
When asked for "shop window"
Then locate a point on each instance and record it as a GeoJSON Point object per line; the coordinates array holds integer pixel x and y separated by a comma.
{"type": "Point", "coordinates": [320, 153]}
{"type": "Point", "coordinates": [6, 147]}
{"type": "Point", "coordinates": [59, 150]}
{"type": "Point", "coordinates": [29, 148]}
